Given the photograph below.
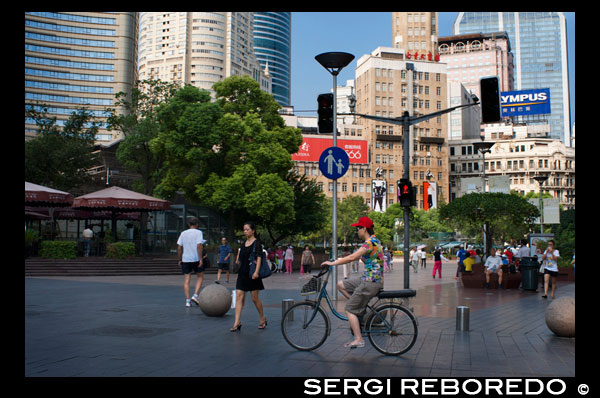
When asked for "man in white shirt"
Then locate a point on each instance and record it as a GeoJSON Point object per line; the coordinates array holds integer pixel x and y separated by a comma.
{"type": "Point", "coordinates": [493, 264]}
{"type": "Point", "coordinates": [189, 253]}
{"type": "Point", "coordinates": [88, 234]}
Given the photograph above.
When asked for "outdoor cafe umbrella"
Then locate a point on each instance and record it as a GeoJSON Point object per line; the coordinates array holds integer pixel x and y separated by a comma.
{"type": "Point", "coordinates": [117, 199]}
{"type": "Point", "coordinates": [41, 196]}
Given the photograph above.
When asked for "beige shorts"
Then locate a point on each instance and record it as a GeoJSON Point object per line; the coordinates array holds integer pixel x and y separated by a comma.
{"type": "Point", "coordinates": [361, 293]}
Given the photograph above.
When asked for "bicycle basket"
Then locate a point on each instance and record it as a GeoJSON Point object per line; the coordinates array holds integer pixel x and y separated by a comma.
{"type": "Point", "coordinates": [313, 286]}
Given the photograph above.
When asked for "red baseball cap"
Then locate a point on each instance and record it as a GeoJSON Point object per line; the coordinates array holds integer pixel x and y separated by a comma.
{"type": "Point", "coordinates": [364, 222]}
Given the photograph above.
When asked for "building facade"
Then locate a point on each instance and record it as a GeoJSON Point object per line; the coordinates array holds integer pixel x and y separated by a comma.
{"type": "Point", "coordinates": [78, 59]}
{"type": "Point", "coordinates": [198, 48]}
{"type": "Point", "coordinates": [272, 46]}
{"type": "Point", "coordinates": [473, 56]}
{"type": "Point", "coordinates": [388, 84]}
{"type": "Point", "coordinates": [539, 44]}
{"type": "Point", "coordinates": [415, 32]}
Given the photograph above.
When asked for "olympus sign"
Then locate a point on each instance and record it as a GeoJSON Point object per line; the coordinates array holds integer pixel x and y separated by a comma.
{"type": "Point", "coordinates": [525, 102]}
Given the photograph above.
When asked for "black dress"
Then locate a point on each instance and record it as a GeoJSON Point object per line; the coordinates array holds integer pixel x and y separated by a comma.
{"type": "Point", "coordinates": [244, 281]}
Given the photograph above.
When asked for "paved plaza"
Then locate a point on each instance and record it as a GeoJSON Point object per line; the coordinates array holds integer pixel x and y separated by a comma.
{"type": "Point", "coordinates": [139, 326]}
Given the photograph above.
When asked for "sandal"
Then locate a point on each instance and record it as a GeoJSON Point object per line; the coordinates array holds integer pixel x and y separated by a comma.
{"type": "Point", "coordinates": [263, 325]}
{"type": "Point", "coordinates": [357, 345]}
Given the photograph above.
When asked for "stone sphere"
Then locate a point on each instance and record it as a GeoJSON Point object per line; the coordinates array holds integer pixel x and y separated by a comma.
{"type": "Point", "coordinates": [560, 316]}
{"type": "Point", "coordinates": [215, 300]}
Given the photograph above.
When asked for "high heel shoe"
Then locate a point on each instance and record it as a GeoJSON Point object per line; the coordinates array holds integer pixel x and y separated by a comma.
{"type": "Point", "coordinates": [263, 325]}
{"type": "Point", "coordinates": [236, 328]}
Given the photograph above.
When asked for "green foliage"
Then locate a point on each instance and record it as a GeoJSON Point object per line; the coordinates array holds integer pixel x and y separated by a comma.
{"type": "Point", "coordinates": [507, 216]}
{"type": "Point", "coordinates": [58, 249]}
{"type": "Point", "coordinates": [564, 236]}
{"type": "Point", "coordinates": [30, 237]}
{"type": "Point", "coordinates": [120, 250]}
{"type": "Point", "coordinates": [234, 155]}
{"type": "Point", "coordinates": [59, 157]}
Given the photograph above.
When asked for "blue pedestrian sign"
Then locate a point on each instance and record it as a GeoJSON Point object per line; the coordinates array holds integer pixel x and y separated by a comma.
{"type": "Point", "coordinates": [334, 162]}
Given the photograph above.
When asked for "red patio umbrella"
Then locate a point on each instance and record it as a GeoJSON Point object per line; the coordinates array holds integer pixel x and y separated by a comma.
{"type": "Point", "coordinates": [41, 196]}
{"type": "Point", "coordinates": [117, 199]}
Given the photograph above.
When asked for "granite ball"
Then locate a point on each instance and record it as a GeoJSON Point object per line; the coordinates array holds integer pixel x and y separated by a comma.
{"type": "Point", "coordinates": [214, 300]}
{"type": "Point", "coordinates": [560, 316]}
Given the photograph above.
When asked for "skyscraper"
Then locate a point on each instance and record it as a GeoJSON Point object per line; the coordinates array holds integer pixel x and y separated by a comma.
{"type": "Point", "coordinates": [198, 48]}
{"type": "Point", "coordinates": [78, 59]}
{"type": "Point", "coordinates": [539, 45]}
{"type": "Point", "coordinates": [415, 32]}
{"type": "Point", "coordinates": [272, 45]}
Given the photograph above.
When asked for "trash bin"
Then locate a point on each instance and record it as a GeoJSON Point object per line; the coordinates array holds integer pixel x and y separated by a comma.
{"type": "Point", "coordinates": [529, 272]}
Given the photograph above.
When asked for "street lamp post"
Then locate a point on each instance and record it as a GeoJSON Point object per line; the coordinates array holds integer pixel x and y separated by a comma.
{"type": "Point", "coordinates": [334, 62]}
{"type": "Point", "coordinates": [540, 178]}
{"type": "Point", "coordinates": [483, 147]}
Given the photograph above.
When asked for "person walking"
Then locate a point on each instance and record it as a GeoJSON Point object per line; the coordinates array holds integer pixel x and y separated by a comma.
{"type": "Point", "coordinates": [550, 258]}
{"type": "Point", "coordinates": [360, 290]}
{"type": "Point", "coordinates": [88, 234]}
{"type": "Point", "coordinates": [246, 282]}
{"type": "Point", "coordinates": [189, 252]}
{"type": "Point", "coordinates": [423, 258]}
{"type": "Point", "coordinates": [415, 259]}
{"type": "Point", "coordinates": [307, 260]}
{"type": "Point", "coordinates": [224, 259]}
{"type": "Point", "coordinates": [438, 257]}
{"type": "Point", "coordinates": [289, 258]}
{"type": "Point", "coordinates": [279, 255]}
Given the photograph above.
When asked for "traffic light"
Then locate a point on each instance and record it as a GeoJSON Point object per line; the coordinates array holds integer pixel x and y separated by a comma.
{"type": "Point", "coordinates": [405, 192]}
{"type": "Point", "coordinates": [325, 111]}
{"type": "Point", "coordinates": [489, 88]}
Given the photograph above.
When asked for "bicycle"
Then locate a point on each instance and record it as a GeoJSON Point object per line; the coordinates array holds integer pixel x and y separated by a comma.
{"type": "Point", "coordinates": [391, 327]}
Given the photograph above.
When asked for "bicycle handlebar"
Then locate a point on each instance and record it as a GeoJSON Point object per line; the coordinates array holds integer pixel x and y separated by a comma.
{"type": "Point", "coordinates": [323, 271]}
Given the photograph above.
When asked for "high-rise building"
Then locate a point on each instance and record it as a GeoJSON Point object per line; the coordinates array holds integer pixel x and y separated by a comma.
{"type": "Point", "coordinates": [198, 48]}
{"type": "Point", "coordinates": [387, 84]}
{"type": "Point", "coordinates": [539, 44]}
{"type": "Point", "coordinates": [78, 59]}
{"type": "Point", "coordinates": [473, 56]}
{"type": "Point", "coordinates": [272, 46]}
{"type": "Point", "coordinates": [415, 32]}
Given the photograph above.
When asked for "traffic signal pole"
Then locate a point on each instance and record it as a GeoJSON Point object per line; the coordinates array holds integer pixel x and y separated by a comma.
{"type": "Point", "coordinates": [406, 121]}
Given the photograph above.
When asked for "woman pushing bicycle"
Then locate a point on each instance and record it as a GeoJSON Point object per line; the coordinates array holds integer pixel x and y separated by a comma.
{"type": "Point", "coordinates": [360, 290]}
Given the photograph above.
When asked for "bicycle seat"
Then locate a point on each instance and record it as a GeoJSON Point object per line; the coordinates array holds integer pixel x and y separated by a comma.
{"type": "Point", "coordinates": [396, 293]}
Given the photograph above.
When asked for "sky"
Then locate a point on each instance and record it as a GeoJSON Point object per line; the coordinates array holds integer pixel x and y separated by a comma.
{"type": "Point", "coordinates": [359, 33]}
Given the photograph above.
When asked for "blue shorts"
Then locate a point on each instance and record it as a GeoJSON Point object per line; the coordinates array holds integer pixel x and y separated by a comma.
{"type": "Point", "coordinates": [192, 267]}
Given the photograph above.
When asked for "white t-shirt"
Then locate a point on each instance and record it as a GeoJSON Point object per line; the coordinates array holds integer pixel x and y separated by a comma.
{"type": "Point", "coordinates": [493, 262]}
{"type": "Point", "coordinates": [551, 264]}
{"type": "Point", "coordinates": [189, 240]}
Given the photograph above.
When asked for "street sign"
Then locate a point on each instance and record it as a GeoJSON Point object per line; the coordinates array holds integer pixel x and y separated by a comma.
{"type": "Point", "coordinates": [334, 162]}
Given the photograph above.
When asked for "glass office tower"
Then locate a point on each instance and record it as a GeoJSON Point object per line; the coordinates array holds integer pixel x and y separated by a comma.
{"type": "Point", "coordinates": [272, 46]}
{"type": "Point", "coordinates": [539, 45]}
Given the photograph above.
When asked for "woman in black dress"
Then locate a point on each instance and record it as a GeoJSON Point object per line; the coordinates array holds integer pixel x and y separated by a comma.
{"type": "Point", "coordinates": [246, 282]}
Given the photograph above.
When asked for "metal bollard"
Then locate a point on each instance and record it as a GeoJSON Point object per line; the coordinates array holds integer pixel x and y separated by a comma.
{"type": "Point", "coordinates": [462, 318]}
{"type": "Point", "coordinates": [285, 305]}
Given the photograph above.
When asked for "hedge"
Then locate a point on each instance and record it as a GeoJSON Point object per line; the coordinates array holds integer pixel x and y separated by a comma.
{"type": "Point", "coordinates": [120, 250]}
{"type": "Point", "coordinates": [58, 249]}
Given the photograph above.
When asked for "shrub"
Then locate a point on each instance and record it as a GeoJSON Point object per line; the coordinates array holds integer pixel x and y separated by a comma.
{"type": "Point", "coordinates": [58, 249]}
{"type": "Point", "coordinates": [120, 250]}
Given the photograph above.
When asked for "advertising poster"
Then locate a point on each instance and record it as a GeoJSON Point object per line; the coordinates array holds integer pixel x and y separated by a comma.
{"type": "Point", "coordinates": [379, 195]}
{"type": "Point", "coordinates": [312, 148]}
{"type": "Point", "coordinates": [429, 195]}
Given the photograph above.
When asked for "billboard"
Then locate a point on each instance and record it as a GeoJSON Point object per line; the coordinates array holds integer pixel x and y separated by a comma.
{"type": "Point", "coordinates": [429, 195]}
{"type": "Point", "coordinates": [379, 195]}
{"type": "Point", "coordinates": [312, 147]}
{"type": "Point", "coordinates": [525, 102]}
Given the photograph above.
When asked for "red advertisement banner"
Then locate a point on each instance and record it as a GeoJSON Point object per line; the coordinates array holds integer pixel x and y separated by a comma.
{"type": "Point", "coordinates": [311, 149]}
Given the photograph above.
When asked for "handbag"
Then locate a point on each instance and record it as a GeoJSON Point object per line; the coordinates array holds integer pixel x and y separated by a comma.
{"type": "Point", "coordinates": [265, 270]}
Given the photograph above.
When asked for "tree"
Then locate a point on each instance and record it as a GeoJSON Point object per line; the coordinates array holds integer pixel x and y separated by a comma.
{"type": "Point", "coordinates": [232, 155]}
{"type": "Point", "coordinates": [137, 119]}
{"type": "Point", "coordinates": [60, 157]}
{"type": "Point", "coordinates": [499, 212]}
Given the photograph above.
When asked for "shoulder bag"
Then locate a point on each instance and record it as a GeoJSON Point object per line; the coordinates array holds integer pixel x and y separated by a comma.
{"type": "Point", "coordinates": [265, 270]}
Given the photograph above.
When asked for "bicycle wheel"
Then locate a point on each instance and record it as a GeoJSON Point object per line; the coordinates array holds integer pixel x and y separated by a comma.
{"type": "Point", "coordinates": [298, 332]}
{"type": "Point", "coordinates": [392, 329]}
